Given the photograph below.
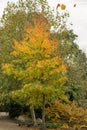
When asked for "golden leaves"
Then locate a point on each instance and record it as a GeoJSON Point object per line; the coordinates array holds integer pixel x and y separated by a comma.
{"type": "Point", "coordinates": [62, 6]}
{"type": "Point", "coordinates": [38, 36]}
{"type": "Point", "coordinates": [7, 68]}
{"type": "Point", "coordinates": [71, 114]}
{"type": "Point", "coordinates": [20, 47]}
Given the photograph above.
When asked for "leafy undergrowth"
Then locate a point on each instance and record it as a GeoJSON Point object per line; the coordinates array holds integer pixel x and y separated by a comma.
{"type": "Point", "coordinates": [67, 116]}
{"type": "Point", "coordinates": [68, 128]}
{"type": "Point", "coordinates": [62, 116]}
{"type": "Point", "coordinates": [33, 128]}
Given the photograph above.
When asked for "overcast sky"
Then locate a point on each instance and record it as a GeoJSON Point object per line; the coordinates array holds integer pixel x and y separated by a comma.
{"type": "Point", "coordinates": [78, 16]}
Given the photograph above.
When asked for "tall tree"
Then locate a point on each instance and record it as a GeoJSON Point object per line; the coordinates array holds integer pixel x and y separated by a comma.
{"type": "Point", "coordinates": [36, 62]}
{"type": "Point", "coordinates": [76, 61]}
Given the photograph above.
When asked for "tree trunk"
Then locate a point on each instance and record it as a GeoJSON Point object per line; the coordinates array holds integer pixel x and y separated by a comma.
{"type": "Point", "coordinates": [33, 116]}
{"type": "Point", "coordinates": [43, 114]}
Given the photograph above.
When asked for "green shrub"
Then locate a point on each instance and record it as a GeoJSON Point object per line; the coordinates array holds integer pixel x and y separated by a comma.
{"type": "Point", "coordinates": [14, 109]}
{"type": "Point", "coordinates": [53, 125]}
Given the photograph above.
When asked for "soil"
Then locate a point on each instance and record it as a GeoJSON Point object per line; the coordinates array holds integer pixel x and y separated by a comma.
{"type": "Point", "coordinates": [8, 124]}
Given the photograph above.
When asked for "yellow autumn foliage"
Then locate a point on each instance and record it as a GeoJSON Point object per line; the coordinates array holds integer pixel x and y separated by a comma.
{"type": "Point", "coordinates": [70, 114]}
{"type": "Point", "coordinates": [36, 63]}
{"type": "Point", "coordinates": [7, 68]}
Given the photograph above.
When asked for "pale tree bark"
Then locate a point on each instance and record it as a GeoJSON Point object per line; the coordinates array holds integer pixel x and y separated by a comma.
{"type": "Point", "coordinates": [33, 116]}
{"type": "Point", "coordinates": [43, 113]}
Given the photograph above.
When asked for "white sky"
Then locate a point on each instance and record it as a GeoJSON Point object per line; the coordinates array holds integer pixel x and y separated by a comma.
{"type": "Point", "coordinates": [78, 16]}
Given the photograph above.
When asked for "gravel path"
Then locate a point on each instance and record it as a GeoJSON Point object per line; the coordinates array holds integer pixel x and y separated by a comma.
{"type": "Point", "coordinates": [7, 124]}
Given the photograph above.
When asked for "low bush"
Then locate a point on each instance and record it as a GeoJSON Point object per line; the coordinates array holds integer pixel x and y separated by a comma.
{"type": "Point", "coordinates": [71, 115]}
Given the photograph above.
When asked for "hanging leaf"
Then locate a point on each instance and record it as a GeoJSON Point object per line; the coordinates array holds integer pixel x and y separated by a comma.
{"type": "Point", "coordinates": [63, 7]}
{"type": "Point", "coordinates": [58, 5]}
{"type": "Point", "coordinates": [74, 5]}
